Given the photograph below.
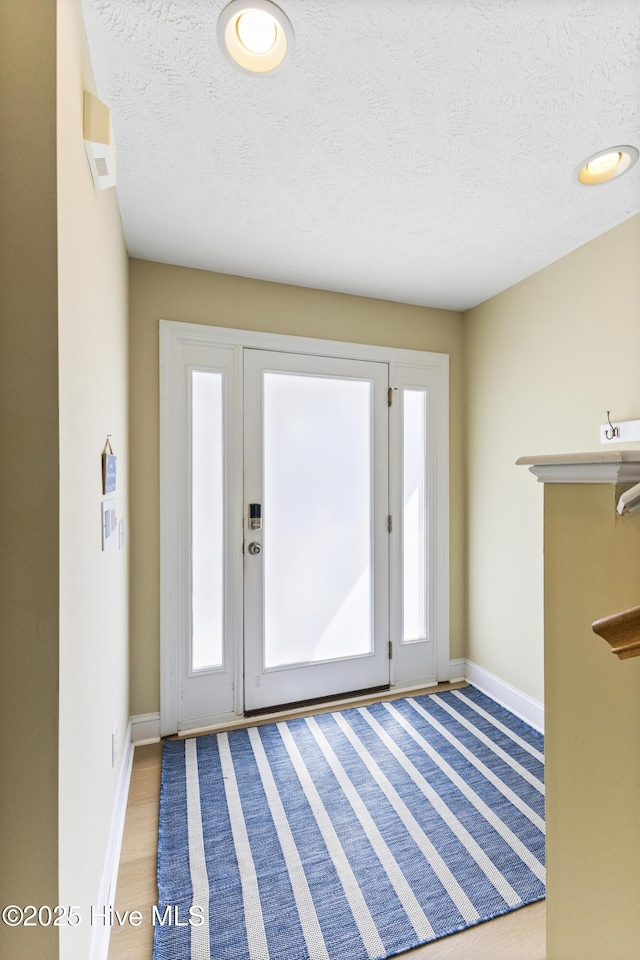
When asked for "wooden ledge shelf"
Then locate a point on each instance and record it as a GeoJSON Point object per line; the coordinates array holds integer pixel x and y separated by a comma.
{"type": "Point", "coordinates": [603, 466]}
{"type": "Point", "coordinates": [621, 631]}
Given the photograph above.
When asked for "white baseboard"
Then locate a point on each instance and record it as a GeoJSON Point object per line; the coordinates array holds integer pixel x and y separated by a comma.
{"type": "Point", "coordinates": [524, 706]}
{"type": "Point", "coordinates": [145, 728]}
{"type": "Point", "coordinates": [107, 895]}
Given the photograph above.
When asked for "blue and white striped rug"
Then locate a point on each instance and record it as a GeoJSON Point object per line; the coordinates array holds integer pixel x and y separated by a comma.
{"type": "Point", "coordinates": [350, 835]}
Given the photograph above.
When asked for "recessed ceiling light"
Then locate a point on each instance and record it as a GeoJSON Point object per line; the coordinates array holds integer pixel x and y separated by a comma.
{"type": "Point", "coordinates": [257, 31]}
{"type": "Point", "coordinates": [606, 165]}
{"type": "Point", "coordinates": [255, 35]}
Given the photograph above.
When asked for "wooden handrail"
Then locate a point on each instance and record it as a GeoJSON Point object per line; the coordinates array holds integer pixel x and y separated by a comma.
{"type": "Point", "coordinates": [621, 631]}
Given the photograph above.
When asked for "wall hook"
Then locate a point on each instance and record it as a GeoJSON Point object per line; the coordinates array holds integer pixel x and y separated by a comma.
{"type": "Point", "coordinates": [615, 431]}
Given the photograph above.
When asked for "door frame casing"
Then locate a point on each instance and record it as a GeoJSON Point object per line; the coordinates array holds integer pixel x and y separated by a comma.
{"type": "Point", "coordinates": [176, 341]}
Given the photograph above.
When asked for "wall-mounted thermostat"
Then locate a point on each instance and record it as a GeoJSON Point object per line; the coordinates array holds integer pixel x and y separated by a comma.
{"type": "Point", "coordinates": [98, 142]}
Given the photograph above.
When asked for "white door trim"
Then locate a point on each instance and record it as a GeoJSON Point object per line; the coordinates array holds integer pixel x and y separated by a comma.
{"type": "Point", "coordinates": [175, 337]}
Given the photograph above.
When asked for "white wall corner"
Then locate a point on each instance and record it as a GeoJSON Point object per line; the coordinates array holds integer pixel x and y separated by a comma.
{"type": "Point", "coordinates": [145, 728]}
{"type": "Point", "coordinates": [519, 703]}
{"type": "Point", "coordinates": [107, 895]}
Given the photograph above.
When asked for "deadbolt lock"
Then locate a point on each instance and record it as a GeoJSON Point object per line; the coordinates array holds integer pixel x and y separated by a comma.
{"type": "Point", "coordinates": [255, 516]}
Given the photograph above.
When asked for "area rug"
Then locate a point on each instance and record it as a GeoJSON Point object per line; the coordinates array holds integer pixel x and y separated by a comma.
{"type": "Point", "coordinates": [352, 835]}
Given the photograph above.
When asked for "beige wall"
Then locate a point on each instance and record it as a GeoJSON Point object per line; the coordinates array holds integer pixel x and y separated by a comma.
{"type": "Point", "coordinates": [63, 379]}
{"type": "Point", "coordinates": [165, 292]}
{"type": "Point", "coordinates": [545, 360]}
{"type": "Point", "coordinates": [592, 565]}
{"type": "Point", "coordinates": [28, 471]}
{"type": "Point", "coordinates": [94, 591]}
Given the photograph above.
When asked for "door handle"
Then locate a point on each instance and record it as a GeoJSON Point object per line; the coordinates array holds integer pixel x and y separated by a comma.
{"type": "Point", "coordinates": [254, 548]}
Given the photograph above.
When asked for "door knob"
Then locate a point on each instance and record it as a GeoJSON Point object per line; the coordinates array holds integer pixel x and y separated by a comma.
{"type": "Point", "coordinates": [254, 548]}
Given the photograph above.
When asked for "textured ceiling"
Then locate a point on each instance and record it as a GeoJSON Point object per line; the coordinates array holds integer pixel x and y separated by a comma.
{"type": "Point", "coordinates": [413, 150]}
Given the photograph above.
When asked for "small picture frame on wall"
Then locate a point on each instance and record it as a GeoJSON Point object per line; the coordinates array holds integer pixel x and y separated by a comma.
{"type": "Point", "coordinates": [109, 462]}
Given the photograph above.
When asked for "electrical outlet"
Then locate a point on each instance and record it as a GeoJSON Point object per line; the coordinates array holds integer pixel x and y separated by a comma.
{"type": "Point", "coordinates": [114, 745]}
{"type": "Point", "coordinates": [109, 523]}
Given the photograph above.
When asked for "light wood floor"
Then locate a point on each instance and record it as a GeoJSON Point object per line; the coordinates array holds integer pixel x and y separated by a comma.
{"type": "Point", "coordinates": [517, 936]}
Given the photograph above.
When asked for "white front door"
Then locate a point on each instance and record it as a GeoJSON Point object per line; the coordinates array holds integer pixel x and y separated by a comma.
{"type": "Point", "coordinates": [316, 574]}
{"type": "Point", "coordinates": [310, 598]}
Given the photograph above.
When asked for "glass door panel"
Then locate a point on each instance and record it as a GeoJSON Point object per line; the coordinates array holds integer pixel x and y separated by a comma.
{"type": "Point", "coordinates": [317, 514]}
{"type": "Point", "coordinates": [414, 518]}
{"type": "Point", "coordinates": [207, 520]}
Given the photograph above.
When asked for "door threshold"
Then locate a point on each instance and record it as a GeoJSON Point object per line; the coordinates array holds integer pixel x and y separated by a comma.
{"type": "Point", "coordinates": [317, 701]}
{"type": "Point", "coordinates": [310, 707]}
